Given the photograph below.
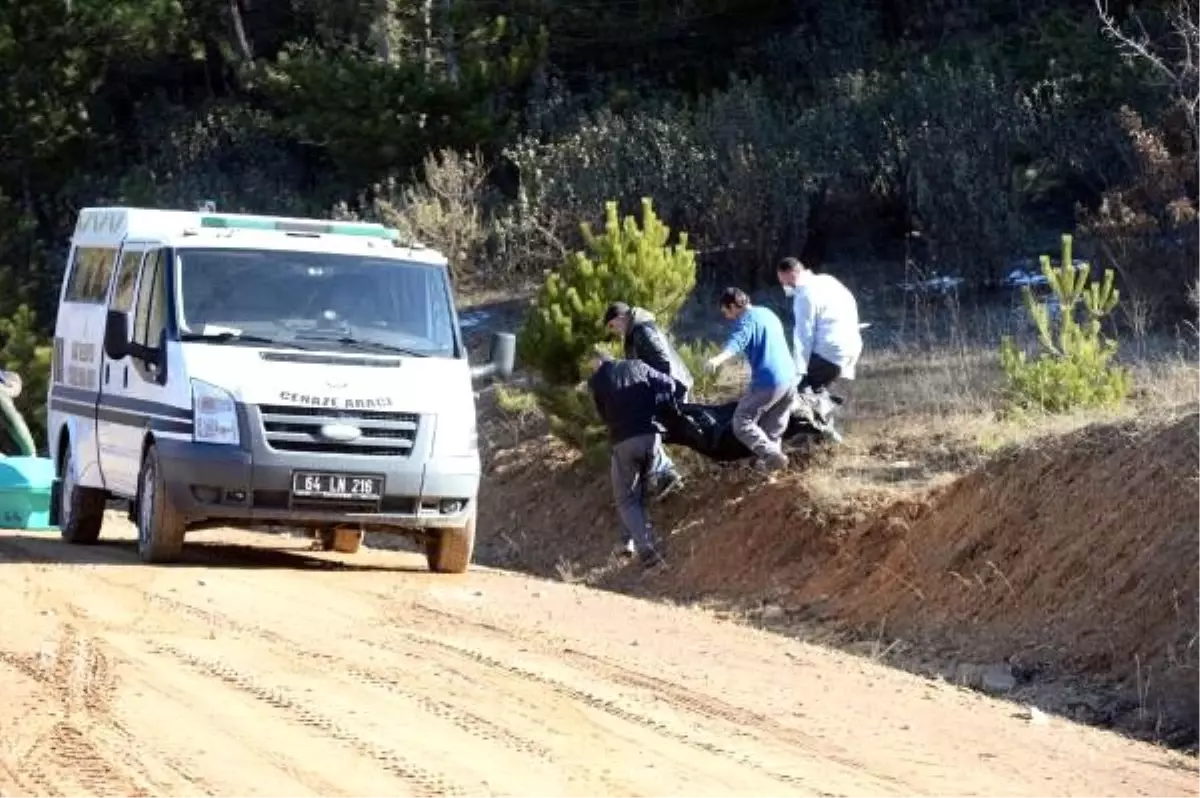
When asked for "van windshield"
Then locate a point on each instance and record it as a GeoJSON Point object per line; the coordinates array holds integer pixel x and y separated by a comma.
{"type": "Point", "coordinates": [314, 300]}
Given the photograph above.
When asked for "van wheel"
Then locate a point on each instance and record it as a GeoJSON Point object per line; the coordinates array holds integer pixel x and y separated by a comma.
{"type": "Point", "coordinates": [160, 526]}
{"type": "Point", "coordinates": [343, 541]}
{"type": "Point", "coordinates": [448, 551]}
{"type": "Point", "coordinates": [80, 509]}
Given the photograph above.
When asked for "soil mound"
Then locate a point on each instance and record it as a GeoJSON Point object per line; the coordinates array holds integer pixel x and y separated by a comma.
{"type": "Point", "coordinates": [1078, 556]}
{"type": "Point", "coordinates": [1074, 557]}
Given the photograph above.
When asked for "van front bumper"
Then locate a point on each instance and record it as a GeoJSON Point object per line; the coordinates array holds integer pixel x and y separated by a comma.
{"type": "Point", "coordinates": [251, 486]}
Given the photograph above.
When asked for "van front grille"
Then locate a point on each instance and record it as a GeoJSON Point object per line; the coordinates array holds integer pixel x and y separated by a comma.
{"type": "Point", "coordinates": [298, 429]}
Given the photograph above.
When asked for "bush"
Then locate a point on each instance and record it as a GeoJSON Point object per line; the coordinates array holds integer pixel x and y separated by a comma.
{"type": "Point", "coordinates": [732, 168]}
{"type": "Point", "coordinates": [444, 210]}
{"type": "Point", "coordinates": [626, 262]}
{"type": "Point", "coordinates": [571, 416]}
{"type": "Point", "coordinates": [955, 135]}
{"type": "Point", "coordinates": [1075, 368]}
{"type": "Point", "coordinates": [24, 352]}
{"type": "Point", "coordinates": [1146, 225]}
{"type": "Point", "coordinates": [704, 385]}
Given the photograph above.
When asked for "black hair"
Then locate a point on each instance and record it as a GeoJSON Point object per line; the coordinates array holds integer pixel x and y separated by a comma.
{"type": "Point", "coordinates": [789, 265]}
{"type": "Point", "coordinates": [614, 310]}
{"type": "Point", "coordinates": [734, 298]}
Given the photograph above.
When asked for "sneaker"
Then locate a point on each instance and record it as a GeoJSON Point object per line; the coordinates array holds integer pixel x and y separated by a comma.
{"type": "Point", "coordinates": [773, 462]}
{"type": "Point", "coordinates": [626, 550]}
{"type": "Point", "coordinates": [667, 484]}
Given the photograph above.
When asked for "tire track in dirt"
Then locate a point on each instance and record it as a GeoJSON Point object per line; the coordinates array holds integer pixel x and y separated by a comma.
{"type": "Point", "coordinates": [745, 722]}
{"type": "Point", "coordinates": [612, 708]}
{"type": "Point", "coordinates": [416, 648]}
{"type": "Point", "coordinates": [427, 783]}
{"type": "Point", "coordinates": [463, 719]}
{"type": "Point", "coordinates": [665, 691]}
{"type": "Point", "coordinates": [79, 675]}
{"type": "Point", "coordinates": [68, 749]}
{"type": "Point", "coordinates": [467, 721]}
{"type": "Point", "coordinates": [91, 706]}
{"type": "Point", "coordinates": [391, 761]}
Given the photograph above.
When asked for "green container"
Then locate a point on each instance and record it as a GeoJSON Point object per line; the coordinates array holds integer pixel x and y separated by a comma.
{"type": "Point", "coordinates": [25, 484]}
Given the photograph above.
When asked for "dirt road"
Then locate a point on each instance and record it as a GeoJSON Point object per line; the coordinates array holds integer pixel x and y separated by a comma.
{"type": "Point", "coordinates": [259, 668]}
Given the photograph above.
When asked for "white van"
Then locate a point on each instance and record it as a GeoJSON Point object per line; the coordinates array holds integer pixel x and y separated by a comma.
{"type": "Point", "coordinates": [224, 369]}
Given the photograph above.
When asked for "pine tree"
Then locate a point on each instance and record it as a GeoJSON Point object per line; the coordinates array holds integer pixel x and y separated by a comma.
{"type": "Point", "coordinates": [1074, 368]}
{"type": "Point", "coordinates": [626, 262]}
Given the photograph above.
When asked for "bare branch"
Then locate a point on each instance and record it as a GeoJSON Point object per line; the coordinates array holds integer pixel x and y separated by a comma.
{"type": "Point", "coordinates": [1182, 72]}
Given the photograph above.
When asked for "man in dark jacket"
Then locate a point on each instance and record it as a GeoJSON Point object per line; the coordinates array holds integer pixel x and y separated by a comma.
{"type": "Point", "coordinates": [628, 395]}
{"type": "Point", "coordinates": [645, 341]}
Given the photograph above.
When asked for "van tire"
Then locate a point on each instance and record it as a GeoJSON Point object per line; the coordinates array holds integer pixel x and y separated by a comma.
{"type": "Point", "coordinates": [84, 506]}
{"type": "Point", "coordinates": [160, 526]}
{"type": "Point", "coordinates": [448, 551]}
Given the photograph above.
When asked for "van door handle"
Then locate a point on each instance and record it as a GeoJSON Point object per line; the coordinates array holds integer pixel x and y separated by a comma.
{"type": "Point", "coordinates": [126, 376]}
{"type": "Point", "coordinates": [106, 374]}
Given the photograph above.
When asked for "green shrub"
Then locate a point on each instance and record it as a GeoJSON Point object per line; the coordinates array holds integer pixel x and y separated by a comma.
{"type": "Point", "coordinates": [1074, 368]}
{"type": "Point", "coordinates": [515, 401]}
{"type": "Point", "coordinates": [704, 385]}
{"type": "Point", "coordinates": [22, 350]}
{"type": "Point", "coordinates": [625, 262]}
{"type": "Point", "coordinates": [571, 416]}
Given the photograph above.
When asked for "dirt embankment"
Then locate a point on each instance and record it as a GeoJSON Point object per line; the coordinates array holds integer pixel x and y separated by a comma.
{"type": "Point", "coordinates": [1070, 566]}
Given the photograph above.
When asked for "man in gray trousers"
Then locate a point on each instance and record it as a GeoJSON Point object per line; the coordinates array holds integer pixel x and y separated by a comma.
{"type": "Point", "coordinates": [763, 411]}
{"type": "Point", "coordinates": [628, 395]}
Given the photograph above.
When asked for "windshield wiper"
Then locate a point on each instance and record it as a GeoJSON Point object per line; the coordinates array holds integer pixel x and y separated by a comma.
{"type": "Point", "coordinates": [225, 337]}
{"type": "Point", "coordinates": [361, 343]}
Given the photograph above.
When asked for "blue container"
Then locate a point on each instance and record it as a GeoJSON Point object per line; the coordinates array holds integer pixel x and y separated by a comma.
{"type": "Point", "coordinates": [25, 484]}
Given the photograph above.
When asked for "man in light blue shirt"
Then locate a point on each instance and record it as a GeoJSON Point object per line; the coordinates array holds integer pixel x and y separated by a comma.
{"type": "Point", "coordinates": [762, 413]}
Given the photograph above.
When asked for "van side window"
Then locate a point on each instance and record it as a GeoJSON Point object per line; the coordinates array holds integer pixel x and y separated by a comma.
{"type": "Point", "coordinates": [127, 274]}
{"type": "Point", "coordinates": [150, 320]}
{"type": "Point", "coordinates": [91, 272]}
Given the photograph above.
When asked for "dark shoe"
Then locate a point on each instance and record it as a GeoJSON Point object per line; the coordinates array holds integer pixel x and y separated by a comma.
{"type": "Point", "coordinates": [667, 484]}
{"type": "Point", "coordinates": [651, 559]}
{"type": "Point", "coordinates": [831, 434]}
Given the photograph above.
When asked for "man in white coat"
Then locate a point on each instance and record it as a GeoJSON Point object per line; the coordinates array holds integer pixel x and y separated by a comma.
{"type": "Point", "coordinates": [826, 340]}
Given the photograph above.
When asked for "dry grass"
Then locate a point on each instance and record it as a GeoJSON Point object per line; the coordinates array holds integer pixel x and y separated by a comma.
{"type": "Point", "coordinates": [927, 402]}
{"type": "Point", "coordinates": [927, 406]}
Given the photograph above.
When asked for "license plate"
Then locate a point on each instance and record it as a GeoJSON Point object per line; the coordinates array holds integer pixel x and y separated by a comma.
{"type": "Point", "coordinates": [312, 485]}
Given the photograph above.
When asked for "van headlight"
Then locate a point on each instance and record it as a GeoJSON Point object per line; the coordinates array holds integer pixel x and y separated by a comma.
{"type": "Point", "coordinates": [214, 415]}
{"type": "Point", "coordinates": [455, 436]}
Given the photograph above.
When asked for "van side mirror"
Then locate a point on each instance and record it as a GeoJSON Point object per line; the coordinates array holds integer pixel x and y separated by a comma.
{"type": "Point", "coordinates": [501, 359]}
{"type": "Point", "coordinates": [116, 334]}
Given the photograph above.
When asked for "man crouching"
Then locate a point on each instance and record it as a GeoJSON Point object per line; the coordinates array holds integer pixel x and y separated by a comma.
{"type": "Point", "coordinates": [628, 394]}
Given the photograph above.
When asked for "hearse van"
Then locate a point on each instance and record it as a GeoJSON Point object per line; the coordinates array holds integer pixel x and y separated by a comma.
{"type": "Point", "coordinates": [217, 369]}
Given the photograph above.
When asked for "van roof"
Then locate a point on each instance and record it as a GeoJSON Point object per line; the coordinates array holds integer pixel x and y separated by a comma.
{"type": "Point", "coordinates": [111, 226]}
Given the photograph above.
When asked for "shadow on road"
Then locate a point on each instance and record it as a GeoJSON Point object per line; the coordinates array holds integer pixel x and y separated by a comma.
{"type": "Point", "coordinates": [51, 550]}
